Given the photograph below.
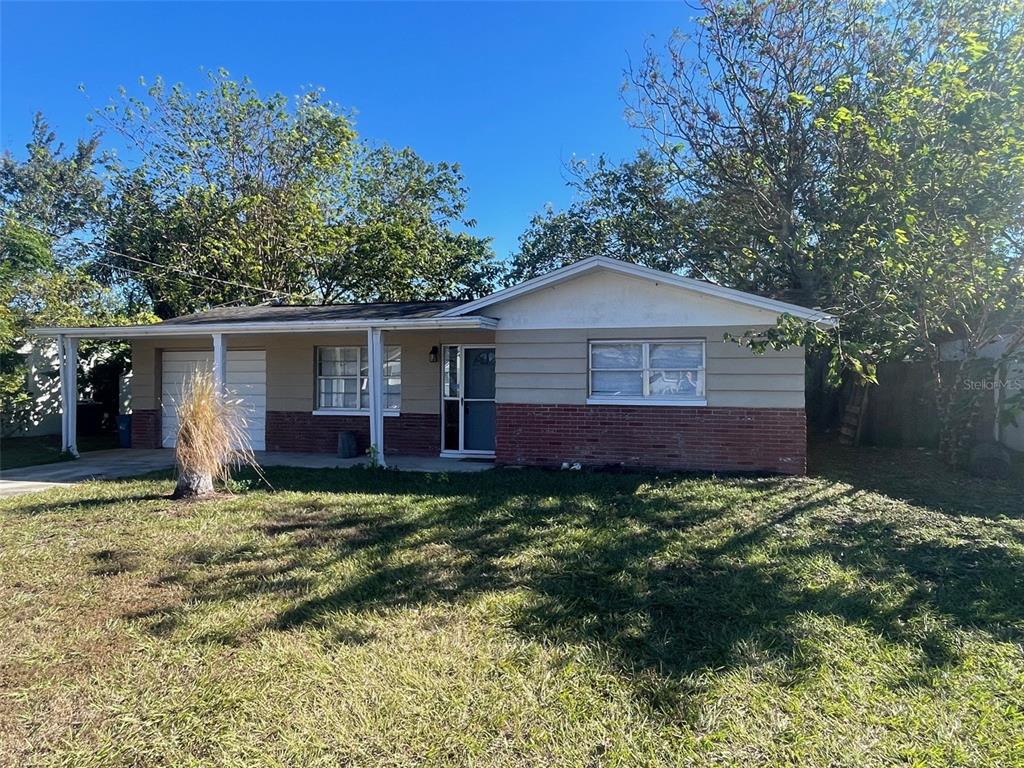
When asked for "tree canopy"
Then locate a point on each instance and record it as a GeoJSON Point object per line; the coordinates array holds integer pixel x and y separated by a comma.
{"type": "Point", "coordinates": [51, 203]}
{"type": "Point", "coordinates": [626, 211]}
{"type": "Point", "coordinates": [223, 196]}
{"type": "Point", "coordinates": [241, 197]}
{"type": "Point", "coordinates": [864, 158]}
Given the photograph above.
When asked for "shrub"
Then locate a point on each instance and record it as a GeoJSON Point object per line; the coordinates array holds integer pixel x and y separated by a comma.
{"type": "Point", "coordinates": [211, 437]}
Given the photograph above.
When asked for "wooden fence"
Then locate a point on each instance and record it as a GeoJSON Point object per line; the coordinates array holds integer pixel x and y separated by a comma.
{"type": "Point", "coordinates": [901, 410]}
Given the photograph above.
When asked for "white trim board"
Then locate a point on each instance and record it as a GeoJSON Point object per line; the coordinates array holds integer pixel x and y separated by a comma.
{"type": "Point", "coordinates": [275, 326]}
{"type": "Point", "coordinates": [350, 412]}
{"type": "Point", "coordinates": [680, 403]}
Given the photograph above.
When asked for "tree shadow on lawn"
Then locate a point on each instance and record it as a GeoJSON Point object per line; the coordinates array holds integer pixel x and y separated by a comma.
{"type": "Point", "coordinates": [918, 477]}
{"type": "Point", "coordinates": [109, 493]}
{"type": "Point", "coordinates": [671, 575]}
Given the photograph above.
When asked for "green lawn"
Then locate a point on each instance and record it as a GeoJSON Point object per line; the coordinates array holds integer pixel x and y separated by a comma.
{"type": "Point", "coordinates": [29, 451]}
{"type": "Point", "coordinates": [870, 615]}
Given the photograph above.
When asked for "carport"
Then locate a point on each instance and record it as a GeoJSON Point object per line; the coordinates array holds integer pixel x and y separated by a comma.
{"type": "Point", "coordinates": [215, 334]}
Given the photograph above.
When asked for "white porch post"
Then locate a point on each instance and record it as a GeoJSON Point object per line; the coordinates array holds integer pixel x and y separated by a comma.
{"type": "Point", "coordinates": [375, 369]}
{"type": "Point", "coordinates": [220, 376]}
{"type": "Point", "coordinates": [67, 351]}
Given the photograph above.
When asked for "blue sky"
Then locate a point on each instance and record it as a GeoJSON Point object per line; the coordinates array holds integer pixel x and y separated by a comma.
{"type": "Point", "coordinates": [509, 90]}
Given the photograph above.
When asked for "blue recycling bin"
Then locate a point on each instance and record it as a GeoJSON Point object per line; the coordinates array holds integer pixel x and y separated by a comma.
{"type": "Point", "coordinates": [124, 430]}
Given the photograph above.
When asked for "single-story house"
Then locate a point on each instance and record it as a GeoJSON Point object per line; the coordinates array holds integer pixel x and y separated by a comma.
{"type": "Point", "coordinates": [601, 362]}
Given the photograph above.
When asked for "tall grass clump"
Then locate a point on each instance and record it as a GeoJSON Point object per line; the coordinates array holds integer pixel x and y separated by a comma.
{"type": "Point", "coordinates": [211, 437]}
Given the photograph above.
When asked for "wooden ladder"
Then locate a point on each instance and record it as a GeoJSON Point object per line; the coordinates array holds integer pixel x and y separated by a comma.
{"type": "Point", "coordinates": [852, 425]}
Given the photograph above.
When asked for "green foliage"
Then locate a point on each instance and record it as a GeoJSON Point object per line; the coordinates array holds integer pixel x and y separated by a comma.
{"type": "Point", "coordinates": [402, 235]}
{"type": "Point", "coordinates": [865, 159]}
{"type": "Point", "coordinates": [625, 212]}
{"type": "Point", "coordinates": [51, 203]}
{"type": "Point", "coordinates": [52, 297]}
{"type": "Point", "coordinates": [230, 197]}
{"type": "Point", "coordinates": [235, 198]}
{"type": "Point", "coordinates": [245, 198]}
{"type": "Point", "coordinates": [23, 249]}
{"type": "Point", "coordinates": [745, 164]}
{"type": "Point", "coordinates": [372, 457]}
{"type": "Point", "coordinates": [49, 196]}
{"type": "Point", "coordinates": [939, 205]}
{"type": "Point", "coordinates": [734, 111]}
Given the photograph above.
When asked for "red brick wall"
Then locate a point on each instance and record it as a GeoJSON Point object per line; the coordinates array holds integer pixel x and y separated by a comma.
{"type": "Point", "coordinates": [417, 434]}
{"type": "Point", "coordinates": [414, 434]}
{"type": "Point", "coordinates": [684, 438]}
{"type": "Point", "coordinates": [145, 428]}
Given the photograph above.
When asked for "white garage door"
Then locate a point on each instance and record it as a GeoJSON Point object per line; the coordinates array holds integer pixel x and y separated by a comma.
{"type": "Point", "coordinates": [246, 379]}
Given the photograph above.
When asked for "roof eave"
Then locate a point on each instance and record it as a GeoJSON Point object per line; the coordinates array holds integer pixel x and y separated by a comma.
{"type": "Point", "coordinates": [274, 326]}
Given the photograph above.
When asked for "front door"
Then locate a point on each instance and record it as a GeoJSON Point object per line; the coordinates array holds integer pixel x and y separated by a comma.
{"type": "Point", "coordinates": [467, 400]}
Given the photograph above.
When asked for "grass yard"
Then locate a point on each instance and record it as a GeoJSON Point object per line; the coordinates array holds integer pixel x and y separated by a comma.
{"type": "Point", "coordinates": [870, 615]}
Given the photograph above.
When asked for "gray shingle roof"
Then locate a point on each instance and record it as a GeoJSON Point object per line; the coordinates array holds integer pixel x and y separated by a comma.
{"type": "Point", "coordinates": [399, 310]}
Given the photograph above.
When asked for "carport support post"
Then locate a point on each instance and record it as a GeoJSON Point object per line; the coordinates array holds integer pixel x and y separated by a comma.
{"type": "Point", "coordinates": [219, 364]}
{"type": "Point", "coordinates": [67, 354]}
{"type": "Point", "coordinates": [375, 371]}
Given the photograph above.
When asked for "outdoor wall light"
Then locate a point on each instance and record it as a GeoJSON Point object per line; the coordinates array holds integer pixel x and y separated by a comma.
{"type": "Point", "coordinates": [433, 354]}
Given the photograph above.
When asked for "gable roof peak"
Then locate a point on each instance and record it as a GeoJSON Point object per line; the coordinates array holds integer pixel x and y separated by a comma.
{"type": "Point", "coordinates": [631, 269]}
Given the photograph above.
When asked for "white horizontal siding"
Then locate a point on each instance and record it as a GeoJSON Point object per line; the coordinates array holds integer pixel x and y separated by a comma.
{"type": "Point", "coordinates": [742, 365]}
{"type": "Point", "coordinates": [530, 365]}
{"type": "Point", "coordinates": [547, 380]}
{"type": "Point", "coordinates": [551, 366]}
{"type": "Point", "coordinates": [752, 382]}
{"type": "Point", "coordinates": [760, 399]}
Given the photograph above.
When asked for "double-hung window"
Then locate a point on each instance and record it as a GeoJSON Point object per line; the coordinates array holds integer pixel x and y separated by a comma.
{"type": "Point", "coordinates": [666, 371]}
{"type": "Point", "coordinates": [342, 381]}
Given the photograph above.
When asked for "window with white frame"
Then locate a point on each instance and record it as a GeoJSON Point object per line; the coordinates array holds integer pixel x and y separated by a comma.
{"type": "Point", "coordinates": [342, 381]}
{"type": "Point", "coordinates": [647, 370]}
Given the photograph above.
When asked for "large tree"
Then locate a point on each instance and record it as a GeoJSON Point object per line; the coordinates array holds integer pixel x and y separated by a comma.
{"type": "Point", "coordinates": [48, 200]}
{"type": "Point", "coordinates": [938, 241]}
{"type": "Point", "coordinates": [862, 158]}
{"type": "Point", "coordinates": [402, 234]}
{"type": "Point", "coordinates": [51, 202]}
{"type": "Point", "coordinates": [238, 197]}
{"type": "Point", "coordinates": [726, 114]}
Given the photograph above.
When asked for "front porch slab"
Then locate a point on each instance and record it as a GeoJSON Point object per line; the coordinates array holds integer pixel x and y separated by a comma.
{"type": "Point", "coordinates": [398, 461]}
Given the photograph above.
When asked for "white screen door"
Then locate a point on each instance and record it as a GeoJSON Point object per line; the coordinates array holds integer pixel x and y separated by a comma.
{"type": "Point", "coordinates": [467, 400]}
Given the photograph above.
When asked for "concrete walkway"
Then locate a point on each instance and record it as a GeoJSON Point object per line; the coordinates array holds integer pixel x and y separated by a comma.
{"type": "Point", "coordinates": [139, 461]}
{"type": "Point", "coordinates": [106, 464]}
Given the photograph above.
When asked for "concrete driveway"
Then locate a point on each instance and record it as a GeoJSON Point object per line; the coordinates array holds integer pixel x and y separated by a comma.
{"type": "Point", "coordinates": [129, 462]}
{"type": "Point", "coordinates": [95, 464]}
